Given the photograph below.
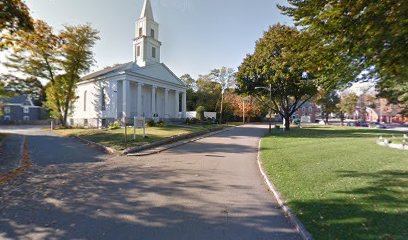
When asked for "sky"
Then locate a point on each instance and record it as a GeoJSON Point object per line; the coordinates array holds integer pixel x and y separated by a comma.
{"type": "Point", "coordinates": [197, 35]}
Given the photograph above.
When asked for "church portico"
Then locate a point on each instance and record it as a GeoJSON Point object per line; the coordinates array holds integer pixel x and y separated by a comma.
{"type": "Point", "coordinates": [144, 87]}
{"type": "Point", "coordinates": [138, 99]}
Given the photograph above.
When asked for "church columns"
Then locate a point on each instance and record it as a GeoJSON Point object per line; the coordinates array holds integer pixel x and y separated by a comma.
{"type": "Point", "coordinates": [153, 100]}
{"type": "Point", "coordinates": [177, 104]}
{"type": "Point", "coordinates": [184, 105]}
{"type": "Point", "coordinates": [139, 100]}
{"type": "Point", "coordinates": [166, 103]}
{"type": "Point", "coordinates": [125, 100]}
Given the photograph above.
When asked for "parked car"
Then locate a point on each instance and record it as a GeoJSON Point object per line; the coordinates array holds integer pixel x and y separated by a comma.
{"type": "Point", "coordinates": [362, 124]}
{"type": "Point", "coordinates": [380, 125]}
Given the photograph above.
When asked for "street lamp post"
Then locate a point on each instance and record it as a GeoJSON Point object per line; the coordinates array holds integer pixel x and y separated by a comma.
{"type": "Point", "coordinates": [270, 109]}
{"type": "Point", "coordinates": [243, 111]}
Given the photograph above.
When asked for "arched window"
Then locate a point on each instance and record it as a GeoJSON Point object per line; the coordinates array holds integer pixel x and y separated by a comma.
{"type": "Point", "coordinates": [103, 99]}
{"type": "Point", "coordinates": [85, 100]}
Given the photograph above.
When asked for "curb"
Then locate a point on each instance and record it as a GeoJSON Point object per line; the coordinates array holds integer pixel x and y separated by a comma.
{"type": "Point", "coordinates": [169, 140]}
{"type": "Point", "coordinates": [105, 149]}
{"type": "Point", "coordinates": [300, 228]}
{"type": "Point", "coordinates": [25, 163]}
{"type": "Point", "coordinates": [177, 144]}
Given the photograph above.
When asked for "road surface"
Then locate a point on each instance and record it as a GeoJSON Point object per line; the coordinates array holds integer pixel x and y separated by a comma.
{"type": "Point", "coordinates": [209, 189]}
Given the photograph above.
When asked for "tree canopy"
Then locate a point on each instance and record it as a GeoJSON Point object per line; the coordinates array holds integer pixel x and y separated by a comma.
{"type": "Point", "coordinates": [14, 17]}
{"type": "Point", "coordinates": [280, 67]}
{"type": "Point", "coordinates": [60, 58]}
{"type": "Point", "coordinates": [372, 35]}
{"type": "Point", "coordinates": [29, 86]}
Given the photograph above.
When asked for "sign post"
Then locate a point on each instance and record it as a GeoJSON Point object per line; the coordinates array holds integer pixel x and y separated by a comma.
{"type": "Point", "coordinates": [140, 122]}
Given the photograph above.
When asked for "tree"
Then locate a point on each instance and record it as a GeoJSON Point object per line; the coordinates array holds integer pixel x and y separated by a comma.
{"type": "Point", "coordinates": [29, 86]}
{"type": "Point", "coordinates": [374, 34]}
{"type": "Point", "coordinates": [208, 93]}
{"type": "Point", "coordinates": [348, 104]}
{"type": "Point", "coordinates": [226, 78]}
{"type": "Point", "coordinates": [280, 65]}
{"type": "Point", "coordinates": [14, 17]}
{"type": "Point", "coordinates": [191, 97]}
{"type": "Point", "coordinates": [235, 104]}
{"type": "Point", "coordinates": [59, 58]}
{"type": "Point", "coordinates": [396, 93]}
{"type": "Point", "coordinates": [328, 100]}
{"type": "Point", "coordinates": [2, 94]}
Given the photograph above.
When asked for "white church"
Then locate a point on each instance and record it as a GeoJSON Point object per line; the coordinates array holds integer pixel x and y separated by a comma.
{"type": "Point", "coordinates": [144, 87]}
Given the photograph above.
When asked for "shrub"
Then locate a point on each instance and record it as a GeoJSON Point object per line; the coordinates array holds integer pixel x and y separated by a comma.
{"type": "Point", "coordinates": [113, 126]}
{"type": "Point", "coordinates": [161, 123]}
{"type": "Point", "coordinates": [200, 113]}
{"type": "Point", "coordinates": [150, 123]}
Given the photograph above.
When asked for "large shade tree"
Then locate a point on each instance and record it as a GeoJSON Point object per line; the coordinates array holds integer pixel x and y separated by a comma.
{"type": "Point", "coordinates": [61, 58]}
{"type": "Point", "coordinates": [372, 34]}
{"type": "Point", "coordinates": [279, 71]}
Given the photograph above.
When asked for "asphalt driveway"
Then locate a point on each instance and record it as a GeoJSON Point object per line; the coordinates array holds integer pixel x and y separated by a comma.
{"type": "Point", "coordinates": [210, 189]}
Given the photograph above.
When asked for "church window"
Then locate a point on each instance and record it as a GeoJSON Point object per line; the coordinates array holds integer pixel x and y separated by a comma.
{"type": "Point", "coordinates": [138, 51]}
{"type": "Point", "coordinates": [152, 33]}
{"type": "Point", "coordinates": [140, 32]}
{"type": "Point", "coordinates": [85, 100]}
{"type": "Point", "coordinates": [103, 99]}
{"type": "Point", "coordinates": [153, 52]}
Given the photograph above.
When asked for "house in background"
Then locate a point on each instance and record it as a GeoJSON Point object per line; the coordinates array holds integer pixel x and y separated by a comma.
{"type": "Point", "coordinates": [384, 112]}
{"type": "Point", "coordinates": [19, 109]}
{"type": "Point", "coordinates": [308, 113]}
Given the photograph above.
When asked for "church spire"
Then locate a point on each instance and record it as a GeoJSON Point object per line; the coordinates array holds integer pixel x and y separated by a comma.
{"type": "Point", "coordinates": [147, 11]}
{"type": "Point", "coordinates": [146, 45]}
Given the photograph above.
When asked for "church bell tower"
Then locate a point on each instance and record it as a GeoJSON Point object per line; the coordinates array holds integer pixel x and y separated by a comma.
{"type": "Point", "coordinates": [146, 45]}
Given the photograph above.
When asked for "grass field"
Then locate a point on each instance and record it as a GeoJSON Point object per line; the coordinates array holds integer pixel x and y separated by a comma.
{"type": "Point", "coordinates": [115, 138]}
{"type": "Point", "coordinates": [339, 182]}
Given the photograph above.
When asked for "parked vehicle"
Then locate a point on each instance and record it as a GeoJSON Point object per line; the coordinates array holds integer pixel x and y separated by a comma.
{"type": "Point", "coordinates": [362, 124]}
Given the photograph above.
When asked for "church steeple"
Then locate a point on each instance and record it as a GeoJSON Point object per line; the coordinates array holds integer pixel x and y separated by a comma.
{"type": "Point", "coordinates": [146, 46]}
{"type": "Point", "coordinates": [147, 11]}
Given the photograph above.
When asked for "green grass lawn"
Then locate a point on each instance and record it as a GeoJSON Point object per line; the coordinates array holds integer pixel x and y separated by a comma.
{"type": "Point", "coordinates": [339, 182]}
{"type": "Point", "coordinates": [115, 138]}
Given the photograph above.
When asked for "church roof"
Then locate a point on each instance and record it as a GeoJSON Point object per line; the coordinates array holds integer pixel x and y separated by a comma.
{"type": "Point", "coordinates": [157, 71]}
{"type": "Point", "coordinates": [147, 11]}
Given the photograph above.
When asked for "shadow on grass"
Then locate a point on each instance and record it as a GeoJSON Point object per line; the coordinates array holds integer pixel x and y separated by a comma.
{"type": "Point", "coordinates": [376, 211]}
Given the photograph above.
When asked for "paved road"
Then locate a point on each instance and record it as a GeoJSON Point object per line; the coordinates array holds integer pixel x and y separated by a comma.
{"type": "Point", "coordinates": [210, 189]}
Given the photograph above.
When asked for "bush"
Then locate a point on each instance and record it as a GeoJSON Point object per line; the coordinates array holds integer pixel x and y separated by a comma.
{"type": "Point", "coordinates": [191, 120]}
{"type": "Point", "coordinates": [161, 123]}
{"type": "Point", "coordinates": [113, 126]}
{"type": "Point", "coordinates": [150, 123]}
{"type": "Point", "coordinates": [200, 113]}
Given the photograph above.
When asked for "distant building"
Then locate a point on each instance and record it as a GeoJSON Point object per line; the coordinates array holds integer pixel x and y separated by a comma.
{"type": "Point", "coordinates": [309, 111]}
{"type": "Point", "coordinates": [19, 109]}
{"type": "Point", "coordinates": [384, 112]}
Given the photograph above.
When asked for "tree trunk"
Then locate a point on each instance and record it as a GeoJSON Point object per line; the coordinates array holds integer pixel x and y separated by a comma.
{"type": "Point", "coordinates": [327, 119]}
{"type": "Point", "coordinates": [287, 123]}
{"type": "Point", "coordinates": [222, 103]}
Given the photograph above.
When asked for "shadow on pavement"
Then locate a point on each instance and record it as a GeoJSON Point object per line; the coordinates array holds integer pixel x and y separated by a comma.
{"type": "Point", "coordinates": [95, 201]}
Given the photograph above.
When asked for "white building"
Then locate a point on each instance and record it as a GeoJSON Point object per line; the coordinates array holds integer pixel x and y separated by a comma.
{"type": "Point", "coordinates": [143, 87]}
